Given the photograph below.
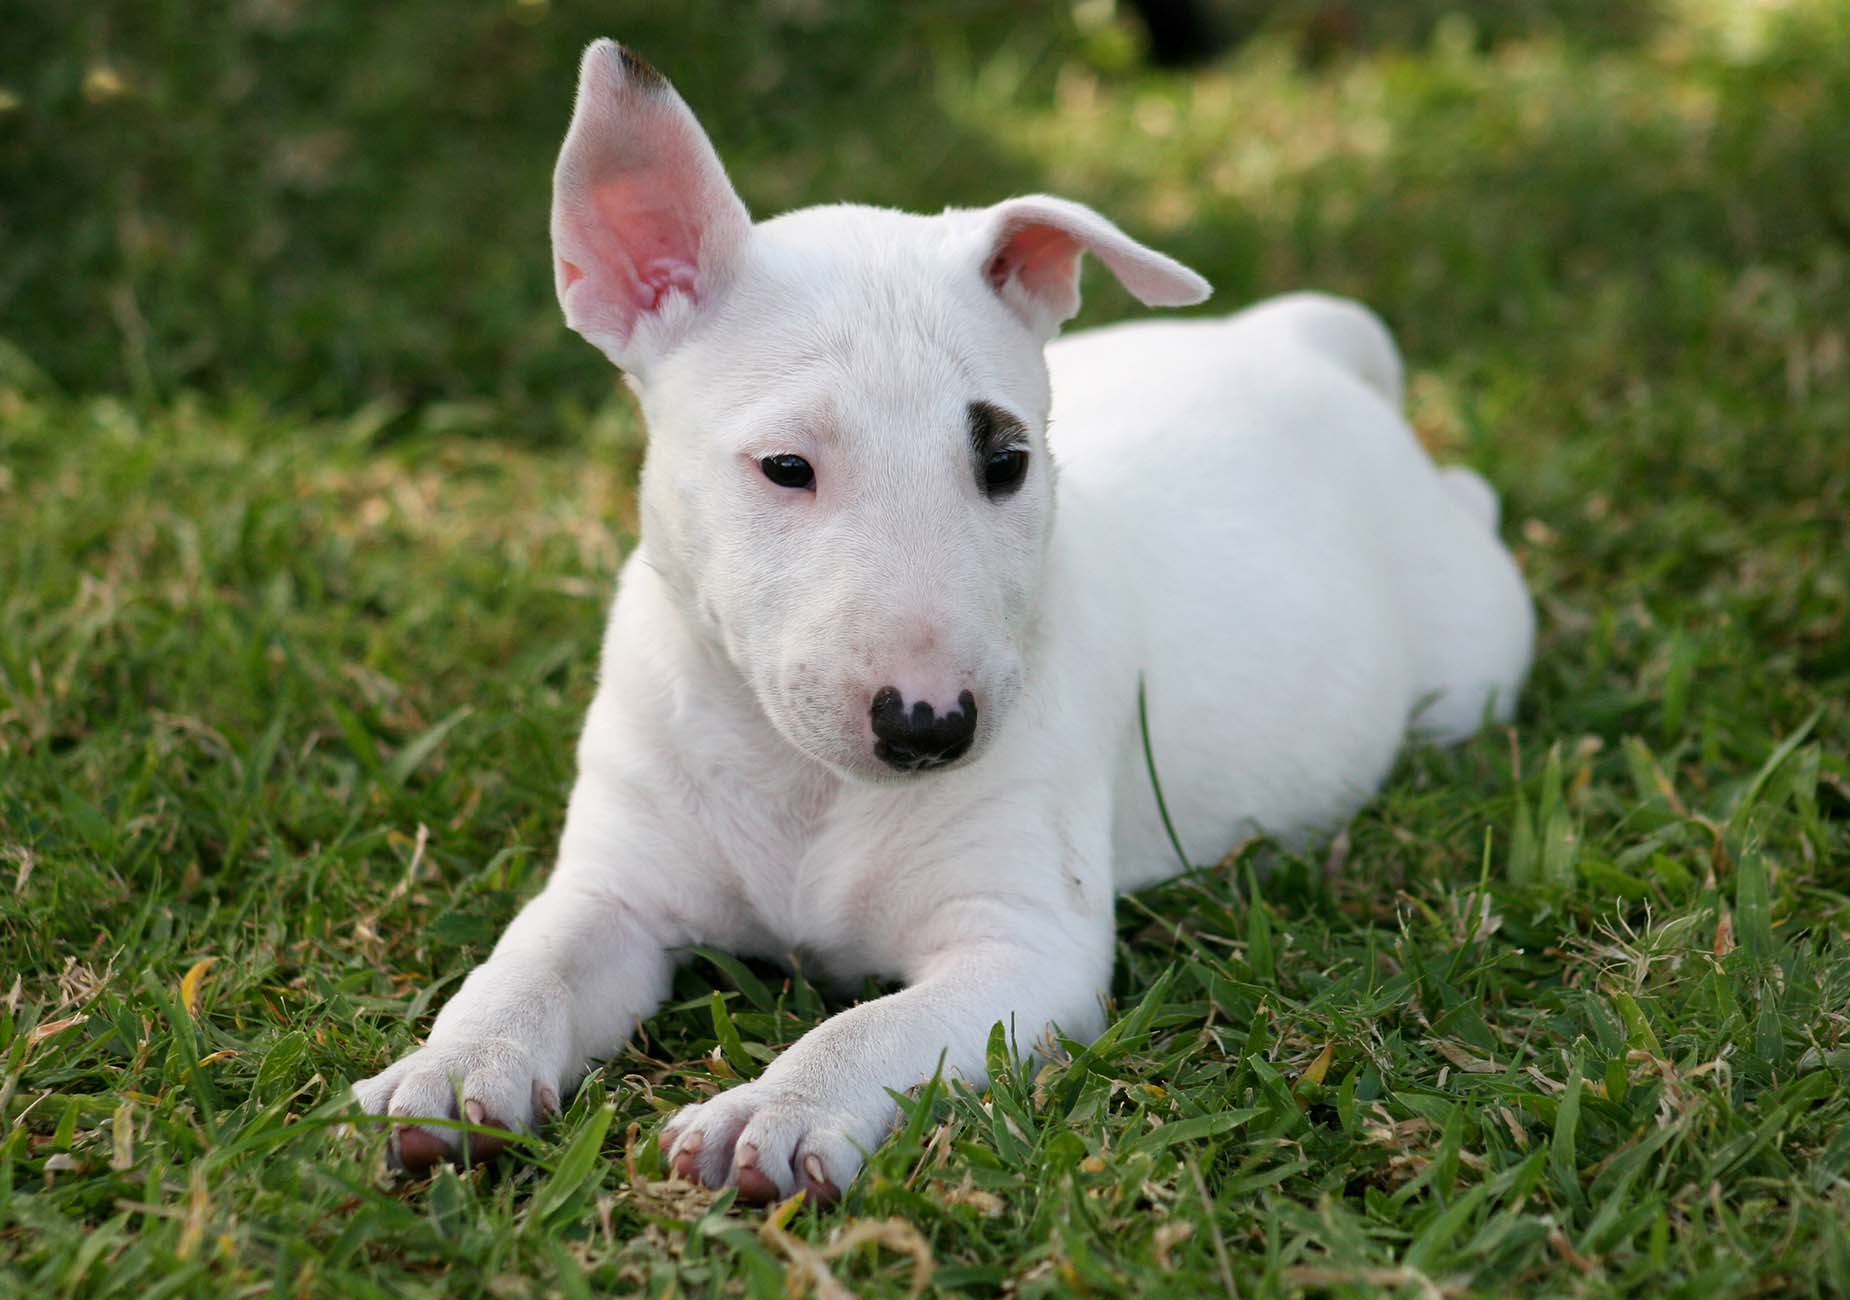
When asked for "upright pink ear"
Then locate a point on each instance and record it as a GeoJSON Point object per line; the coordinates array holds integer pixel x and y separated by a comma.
{"type": "Point", "coordinates": [1034, 245]}
{"type": "Point", "coordinates": [645, 226]}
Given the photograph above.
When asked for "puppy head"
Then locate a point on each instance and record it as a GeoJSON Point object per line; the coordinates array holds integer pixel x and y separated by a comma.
{"type": "Point", "coordinates": [848, 481]}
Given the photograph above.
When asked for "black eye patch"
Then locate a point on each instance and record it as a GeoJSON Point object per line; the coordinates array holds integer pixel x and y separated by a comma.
{"type": "Point", "coordinates": [999, 443]}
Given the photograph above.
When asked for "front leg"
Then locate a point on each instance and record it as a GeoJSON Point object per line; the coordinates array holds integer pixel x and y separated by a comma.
{"type": "Point", "coordinates": [807, 1121]}
{"type": "Point", "coordinates": [570, 980]}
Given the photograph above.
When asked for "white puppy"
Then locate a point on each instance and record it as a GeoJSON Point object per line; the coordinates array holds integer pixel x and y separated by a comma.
{"type": "Point", "coordinates": [867, 696]}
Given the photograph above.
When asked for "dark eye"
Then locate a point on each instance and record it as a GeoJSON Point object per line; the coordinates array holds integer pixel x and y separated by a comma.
{"type": "Point", "coordinates": [788, 471]}
{"type": "Point", "coordinates": [1004, 470]}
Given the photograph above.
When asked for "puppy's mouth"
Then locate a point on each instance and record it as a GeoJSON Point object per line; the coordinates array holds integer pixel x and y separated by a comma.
{"type": "Point", "coordinates": [908, 761]}
{"type": "Point", "coordinates": [875, 770]}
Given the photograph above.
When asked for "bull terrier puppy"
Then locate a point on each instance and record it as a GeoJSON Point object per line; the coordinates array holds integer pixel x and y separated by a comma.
{"type": "Point", "coordinates": [868, 697]}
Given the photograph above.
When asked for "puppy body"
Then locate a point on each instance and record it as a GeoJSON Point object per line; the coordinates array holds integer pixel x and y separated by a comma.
{"type": "Point", "coordinates": [1245, 525]}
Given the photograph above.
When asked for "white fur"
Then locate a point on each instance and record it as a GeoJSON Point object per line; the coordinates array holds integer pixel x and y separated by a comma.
{"type": "Point", "coordinates": [1246, 525]}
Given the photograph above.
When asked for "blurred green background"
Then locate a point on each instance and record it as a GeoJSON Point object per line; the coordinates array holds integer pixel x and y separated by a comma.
{"type": "Point", "coordinates": [329, 204]}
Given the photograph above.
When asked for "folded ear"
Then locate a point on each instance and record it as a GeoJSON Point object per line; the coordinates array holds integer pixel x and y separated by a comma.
{"type": "Point", "coordinates": [645, 226]}
{"type": "Point", "coordinates": [1032, 261]}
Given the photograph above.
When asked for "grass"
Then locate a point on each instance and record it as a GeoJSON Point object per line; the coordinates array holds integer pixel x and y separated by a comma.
{"type": "Point", "coordinates": [309, 512]}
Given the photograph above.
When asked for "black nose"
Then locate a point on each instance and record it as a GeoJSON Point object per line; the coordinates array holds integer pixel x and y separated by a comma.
{"type": "Point", "coordinates": [919, 740]}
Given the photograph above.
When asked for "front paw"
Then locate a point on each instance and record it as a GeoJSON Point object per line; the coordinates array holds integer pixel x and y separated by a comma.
{"type": "Point", "coordinates": [498, 1083]}
{"type": "Point", "coordinates": [772, 1142]}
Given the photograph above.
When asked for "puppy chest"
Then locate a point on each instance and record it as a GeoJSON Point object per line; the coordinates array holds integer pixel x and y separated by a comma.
{"type": "Point", "coordinates": [840, 918]}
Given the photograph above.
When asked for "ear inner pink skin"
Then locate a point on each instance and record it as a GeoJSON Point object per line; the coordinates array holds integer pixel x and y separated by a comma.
{"type": "Point", "coordinates": [633, 250]}
{"type": "Point", "coordinates": [1045, 262]}
{"type": "Point", "coordinates": [1036, 244]}
{"type": "Point", "coordinates": [650, 248]}
{"type": "Point", "coordinates": [642, 209]}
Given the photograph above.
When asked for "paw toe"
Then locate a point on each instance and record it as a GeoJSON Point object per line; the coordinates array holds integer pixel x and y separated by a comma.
{"type": "Point", "coordinates": [683, 1151]}
{"type": "Point", "coordinates": [375, 1094]}
{"type": "Point", "coordinates": [767, 1143]}
{"type": "Point", "coordinates": [814, 1181]}
{"type": "Point", "coordinates": [698, 1142]}
{"type": "Point", "coordinates": [478, 1147]}
{"type": "Point", "coordinates": [419, 1149]}
{"type": "Point", "coordinates": [755, 1185]}
{"type": "Point", "coordinates": [825, 1162]}
{"type": "Point", "coordinates": [499, 1088]}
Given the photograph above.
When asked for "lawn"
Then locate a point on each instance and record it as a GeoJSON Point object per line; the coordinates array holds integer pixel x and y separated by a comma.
{"type": "Point", "coordinates": [310, 510]}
